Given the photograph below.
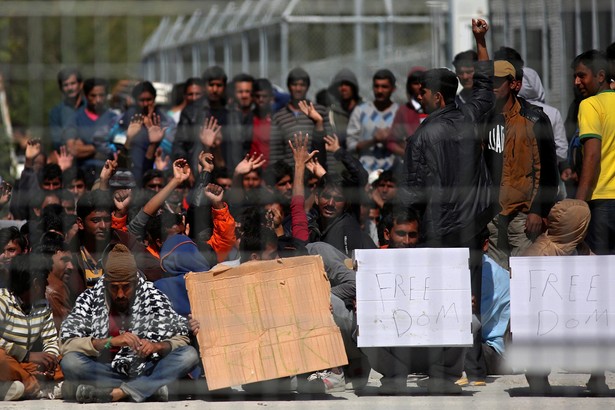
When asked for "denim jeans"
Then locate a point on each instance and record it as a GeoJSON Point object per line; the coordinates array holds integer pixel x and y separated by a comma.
{"type": "Point", "coordinates": [79, 368]}
{"type": "Point", "coordinates": [601, 232]}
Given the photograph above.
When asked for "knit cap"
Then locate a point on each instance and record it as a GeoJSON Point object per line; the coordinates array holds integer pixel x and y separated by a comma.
{"type": "Point", "coordinates": [121, 265]}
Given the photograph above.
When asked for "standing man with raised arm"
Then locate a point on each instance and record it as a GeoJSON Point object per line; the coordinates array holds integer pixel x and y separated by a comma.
{"type": "Point", "coordinates": [448, 181]}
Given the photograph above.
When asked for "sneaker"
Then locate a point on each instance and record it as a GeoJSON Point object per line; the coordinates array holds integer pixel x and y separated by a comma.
{"type": "Point", "coordinates": [57, 391]}
{"type": "Point", "coordinates": [10, 391]}
{"type": "Point", "coordinates": [439, 386]}
{"type": "Point", "coordinates": [91, 394]}
{"type": "Point", "coordinates": [326, 382]}
{"type": "Point", "coordinates": [162, 394]}
{"type": "Point", "coordinates": [462, 381]}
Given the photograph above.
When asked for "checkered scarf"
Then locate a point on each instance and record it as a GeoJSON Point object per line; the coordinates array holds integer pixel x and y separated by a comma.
{"type": "Point", "coordinates": [152, 319]}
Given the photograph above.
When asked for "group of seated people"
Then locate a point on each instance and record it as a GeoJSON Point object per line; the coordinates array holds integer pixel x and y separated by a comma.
{"type": "Point", "coordinates": [114, 209]}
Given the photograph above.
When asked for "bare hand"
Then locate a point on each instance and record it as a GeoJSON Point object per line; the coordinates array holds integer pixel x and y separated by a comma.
{"type": "Point", "coordinates": [479, 28]}
{"type": "Point", "coordinates": [161, 161]}
{"type": "Point", "coordinates": [215, 193]}
{"type": "Point", "coordinates": [147, 348]}
{"type": "Point", "coordinates": [122, 199]}
{"type": "Point", "coordinates": [65, 159]}
{"type": "Point", "coordinates": [315, 168]}
{"type": "Point", "coordinates": [109, 168]}
{"type": "Point", "coordinates": [249, 163]}
{"type": "Point", "coordinates": [210, 132]}
{"type": "Point", "coordinates": [46, 361]}
{"type": "Point", "coordinates": [300, 150]}
{"type": "Point", "coordinates": [309, 110]}
{"type": "Point", "coordinates": [154, 132]}
{"type": "Point", "coordinates": [533, 225]}
{"type": "Point", "coordinates": [33, 148]}
{"type": "Point", "coordinates": [206, 161]}
{"type": "Point", "coordinates": [194, 324]}
{"type": "Point", "coordinates": [332, 143]}
{"type": "Point", "coordinates": [136, 122]}
{"type": "Point", "coordinates": [381, 134]}
{"type": "Point", "coordinates": [181, 170]}
{"type": "Point", "coordinates": [5, 192]}
{"type": "Point", "coordinates": [126, 339]}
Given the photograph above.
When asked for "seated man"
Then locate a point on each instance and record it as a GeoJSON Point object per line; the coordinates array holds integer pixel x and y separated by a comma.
{"type": "Point", "coordinates": [25, 371]}
{"type": "Point", "coordinates": [123, 339]}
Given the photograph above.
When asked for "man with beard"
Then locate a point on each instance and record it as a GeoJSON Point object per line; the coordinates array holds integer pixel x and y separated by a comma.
{"type": "Point", "coordinates": [70, 82]}
{"type": "Point", "coordinates": [240, 119]}
{"type": "Point", "coordinates": [370, 124]}
{"type": "Point", "coordinates": [89, 135]}
{"type": "Point", "coordinates": [123, 340]}
{"type": "Point", "coordinates": [299, 116]}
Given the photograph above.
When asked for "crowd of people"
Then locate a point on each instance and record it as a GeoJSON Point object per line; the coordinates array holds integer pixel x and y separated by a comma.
{"type": "Point", "coordinates": [114, 207]}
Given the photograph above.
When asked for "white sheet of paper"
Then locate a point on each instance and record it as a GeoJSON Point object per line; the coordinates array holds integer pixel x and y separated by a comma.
{"type": "Point", "coordinates": [413, 297]}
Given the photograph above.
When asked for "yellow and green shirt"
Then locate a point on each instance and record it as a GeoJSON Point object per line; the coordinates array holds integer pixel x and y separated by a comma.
{"type": "Point", "coordinates": [597, 120]}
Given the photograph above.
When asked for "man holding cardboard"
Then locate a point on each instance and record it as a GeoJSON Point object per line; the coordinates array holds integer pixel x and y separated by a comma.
{"type": "Point", "coordinates": [123, 340]}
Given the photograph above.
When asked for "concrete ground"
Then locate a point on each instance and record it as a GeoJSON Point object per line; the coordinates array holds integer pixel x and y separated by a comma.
{"type": "Point", "coordinates": [501, 392]}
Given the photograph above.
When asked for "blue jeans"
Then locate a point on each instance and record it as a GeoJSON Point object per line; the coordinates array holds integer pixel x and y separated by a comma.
{"type": "Point", "coordinates": [601, 232]}
{"type": "Point", "coordinates": [82, 369]}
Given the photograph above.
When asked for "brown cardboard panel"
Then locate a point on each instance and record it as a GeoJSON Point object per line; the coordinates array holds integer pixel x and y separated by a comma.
{"type": "Point", "coordinates": [263, 320]}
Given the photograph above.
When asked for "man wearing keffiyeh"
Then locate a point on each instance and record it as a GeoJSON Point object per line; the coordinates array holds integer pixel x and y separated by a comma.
{"type": "Point", "coordinates": [123, 340]}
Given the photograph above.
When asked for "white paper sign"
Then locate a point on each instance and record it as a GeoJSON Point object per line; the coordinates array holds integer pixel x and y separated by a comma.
{"type": "Point", "coordinates": [562, 298]}
{"type": "Point", "coordinates": [413, 297]}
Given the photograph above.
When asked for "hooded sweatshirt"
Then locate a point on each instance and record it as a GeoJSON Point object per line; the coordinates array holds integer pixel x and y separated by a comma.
{"type": "Point", "coordinates": [338, 114]}
{"type": "Point", "coordinates": [568, 222]}
{"type": "Point", "coordinates": [534, 93]}
{"type": "Point", "coordinates": [178, 256]}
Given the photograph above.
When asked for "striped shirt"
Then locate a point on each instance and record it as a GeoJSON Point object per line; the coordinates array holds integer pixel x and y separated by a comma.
{"type": "Point", "coordinates": [285, 123]}
{"type": "Point", "coordinates": [20, 331]}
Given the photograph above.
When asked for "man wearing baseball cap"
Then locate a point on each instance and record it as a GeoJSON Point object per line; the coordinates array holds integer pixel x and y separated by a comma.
{"type": "Point", "coordinates": [520, 153]}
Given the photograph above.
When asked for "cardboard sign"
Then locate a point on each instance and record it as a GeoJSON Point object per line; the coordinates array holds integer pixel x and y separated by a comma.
{"type": "Point", "coordinates": [562, 312]}
{"type": "Point", "coordinates": [413, 297]}
{"type": "Point", "coordinates": [264, 320]}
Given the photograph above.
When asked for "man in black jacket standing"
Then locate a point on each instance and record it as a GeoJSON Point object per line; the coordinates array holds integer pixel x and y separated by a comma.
{"type": "Point", "coordinates": [448, 181]}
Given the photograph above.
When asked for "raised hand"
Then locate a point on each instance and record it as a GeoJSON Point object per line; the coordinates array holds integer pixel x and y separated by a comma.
{"type": "Point", "coordinates": [33, 149]}
{"type": "Point", "coordinates": [65, 158]}
{"type": "Point", "coordinates": [136, 122]}
{"type": "Point", "coordinates": [109, 168]}
{"type": "Point", "coordinates": [249, 163]}
{"type": "Point", "coordinates": [181, 170]}
{"type": "Point", "coordinates": [300, 150]}
{"type": "Point", "coordinates": [154, 132]}
{"type": "Point", "coordinates": [315, 168]}
{"type": "Point", "coordinates": [161, 161]}
{"type": "Point", "coordinates": [214, 193]}
{"type": "Point", "coordinates": [122, 199]}
{"type": "Point", "coordinates": [309, 110]}
{"type": "Point", "coordinates": [5, 192]}
{"type": "Point", "coordinates": [479, 28]}
{"type": "Point", "coordinates": [206, 161]}
{"type": "Point", "coordinates": [210, 132]}
{"type": "Point", "coordinates": [332, 143]}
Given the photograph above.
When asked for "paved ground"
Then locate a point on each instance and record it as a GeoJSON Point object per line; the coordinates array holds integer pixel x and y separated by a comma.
{"type": "Point", "coordinates": [502, 392]}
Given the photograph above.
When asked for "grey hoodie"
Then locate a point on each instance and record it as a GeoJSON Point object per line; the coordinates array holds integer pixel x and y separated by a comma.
{"type": "Point", "coordinates": [533, 92]}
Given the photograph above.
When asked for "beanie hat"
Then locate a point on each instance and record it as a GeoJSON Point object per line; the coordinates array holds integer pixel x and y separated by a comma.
{"type": "Point", "coordinates": [121, 265]}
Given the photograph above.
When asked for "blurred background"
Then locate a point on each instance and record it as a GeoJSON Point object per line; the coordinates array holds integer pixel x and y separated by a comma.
{"type": "Point", "coordinates": [168, 41]}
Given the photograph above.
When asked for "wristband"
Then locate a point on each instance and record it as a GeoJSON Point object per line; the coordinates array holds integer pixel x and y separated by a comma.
{"type": "Point", "coordinates": [108, 344]}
